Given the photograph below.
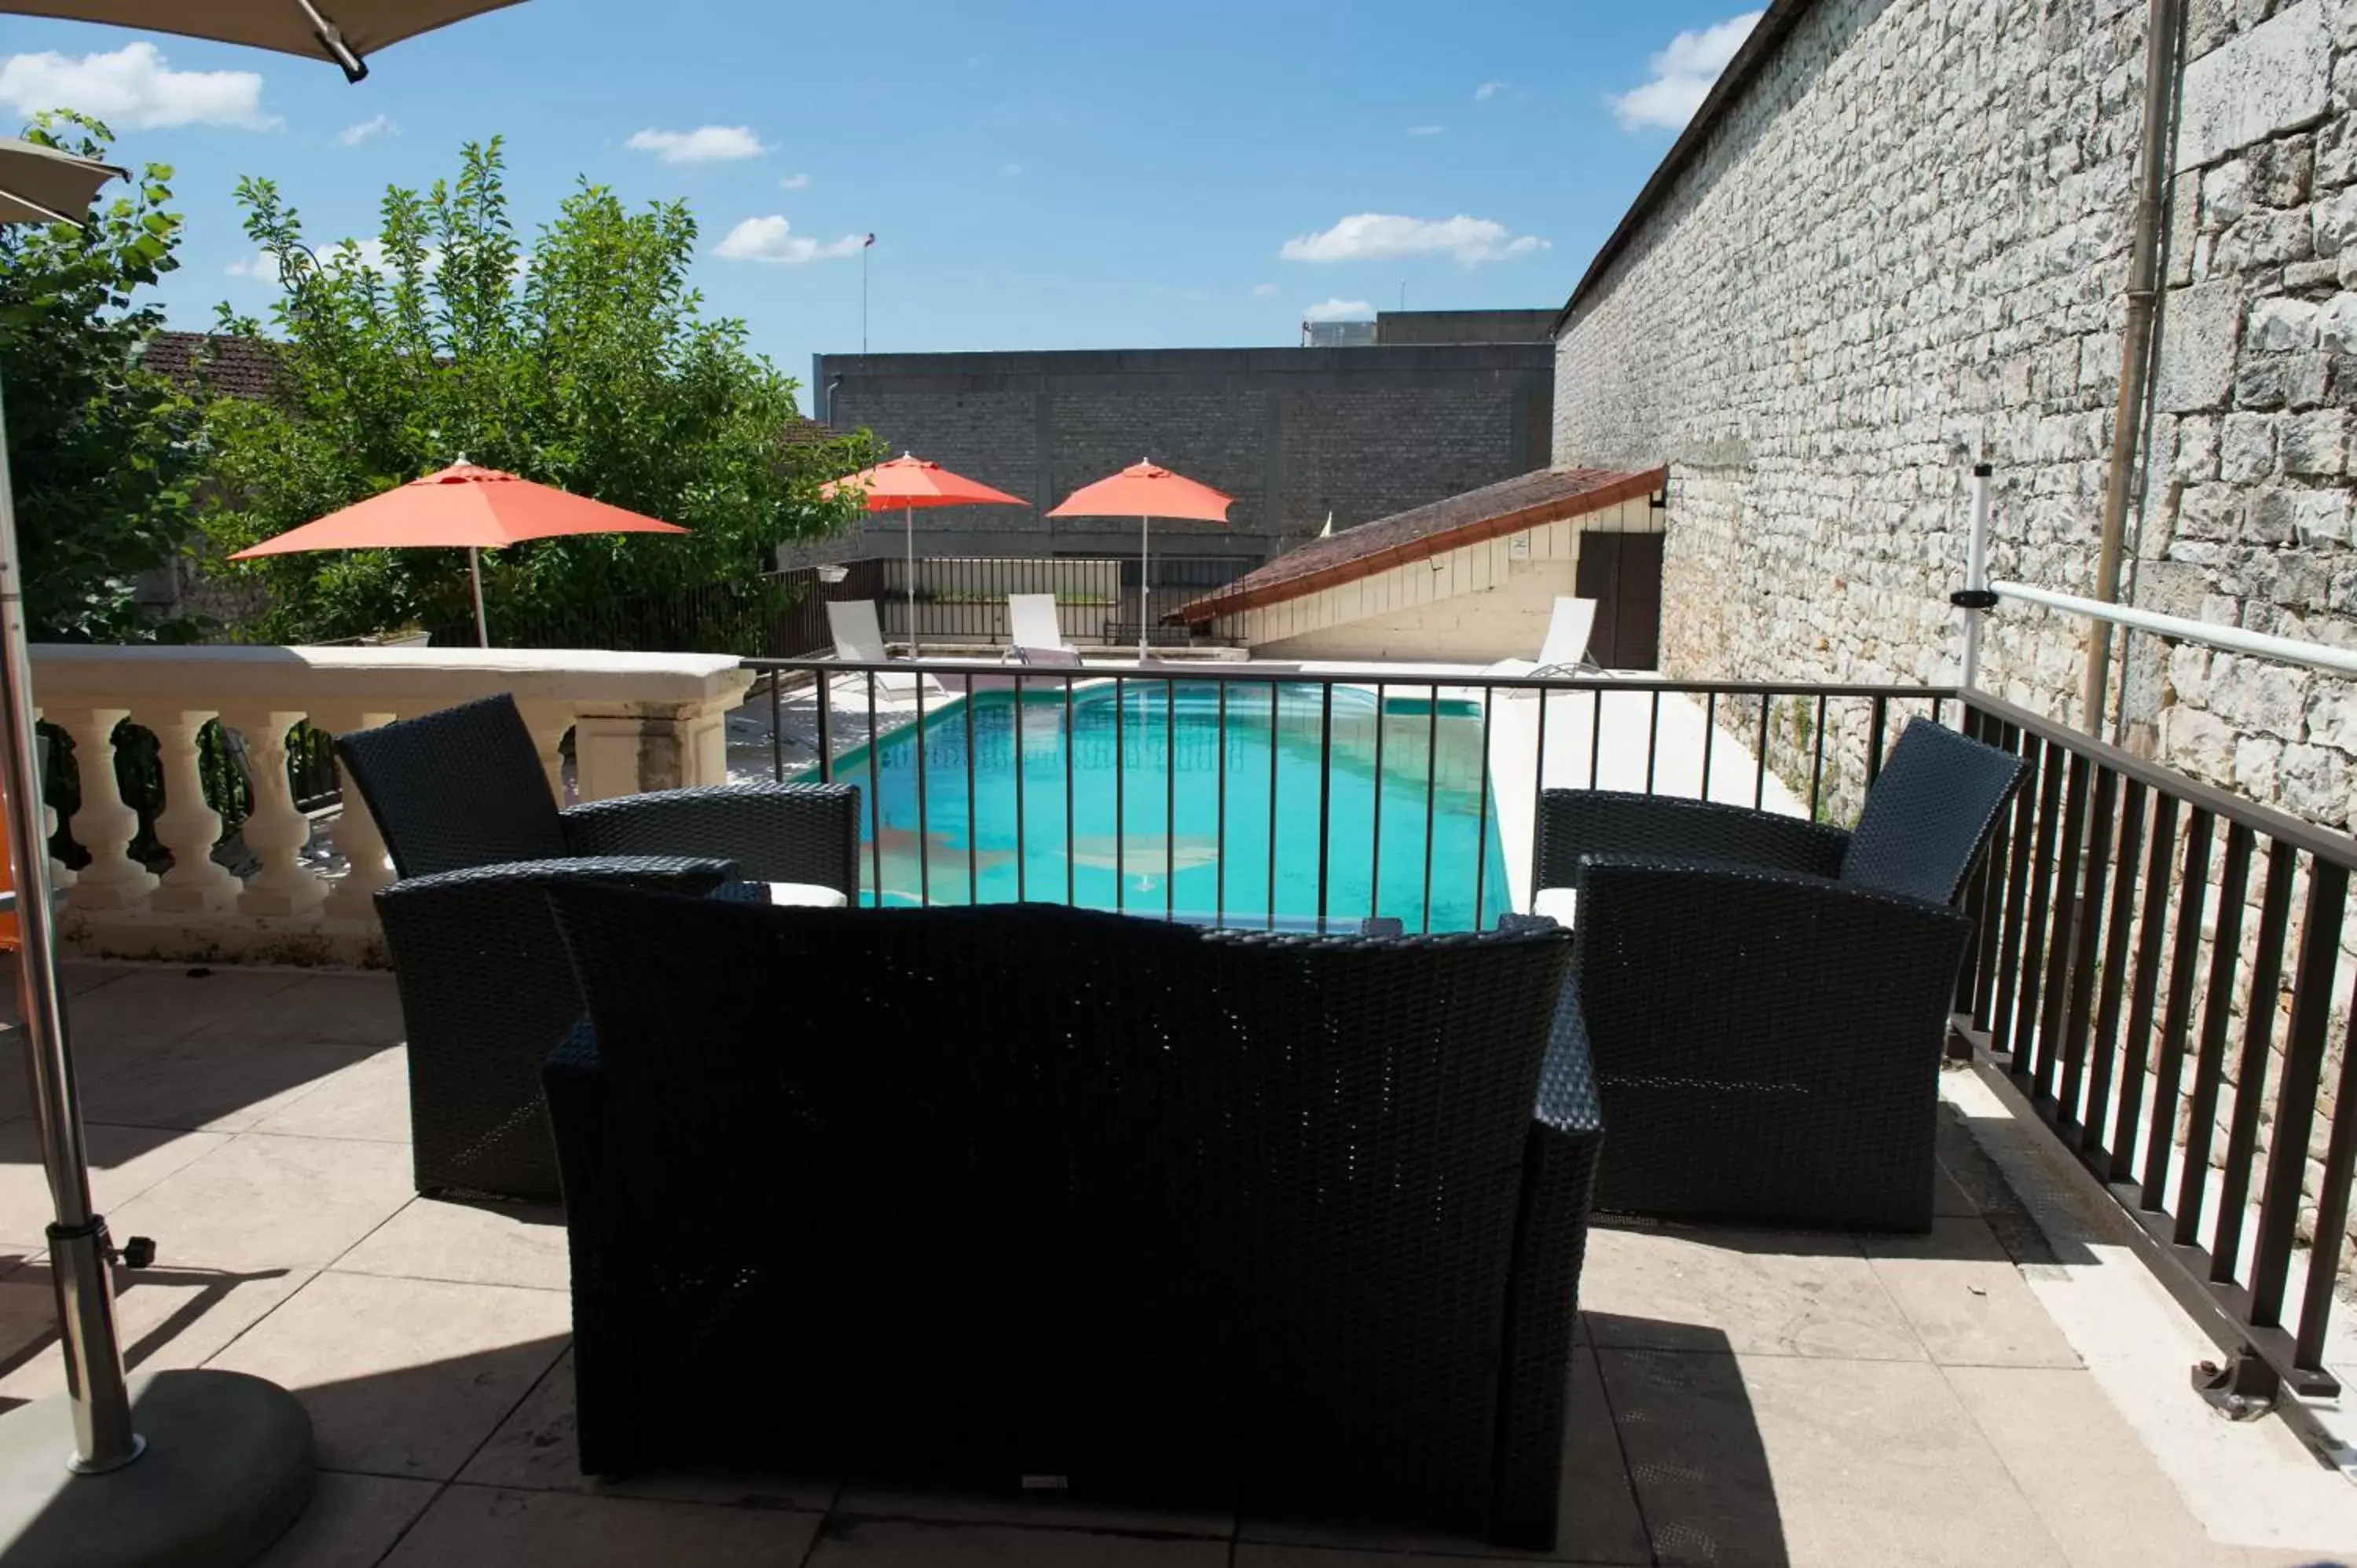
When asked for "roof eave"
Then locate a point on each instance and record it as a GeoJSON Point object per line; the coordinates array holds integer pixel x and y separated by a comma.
{"type": "Point", "coordinates": [1438, 542]}
{"type": "Point", "coordinates": [1775, 24]}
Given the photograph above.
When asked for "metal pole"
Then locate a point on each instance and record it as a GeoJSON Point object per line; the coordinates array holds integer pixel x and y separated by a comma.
{"type": "Point", "coordinates": [1145, 555]}
{"type": "Point", "coordinates": [103, 1438]}
{"type": "Point", "coordinates": [2162, 33]}
{"type": "Point", "coordinates": [863, 295]}
{"type": "Point", "coordinates": [475, 576]}
{"type": "Point", "coordinates": [908, 539]}
{"type": "Point", "coordinates": [1976, 573]}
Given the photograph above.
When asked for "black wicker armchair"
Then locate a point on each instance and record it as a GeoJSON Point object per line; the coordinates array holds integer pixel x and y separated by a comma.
{"type": "Point", "coordinates": [473, 829]}
{"type": "Point", "coordinates": [1767, 998]}
{"type": "Point", "coordinates": [1291, 1222]}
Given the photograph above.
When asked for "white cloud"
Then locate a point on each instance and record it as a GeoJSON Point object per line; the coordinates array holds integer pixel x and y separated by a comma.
{"type": "Point", "coordinates": [367, 254]}
{"type": "Point", "coordinates": [1682, 74]}
{"type": "Point", "coordinates": [793, 182]}
{"type": "Point", "coordinates": [1264, 291]}
{"type": "Point", "coordinates": [135, 89]}
{"type": "Point", "coordinates": [772, 239]}
{"type": "Point", "coordinates": [1487, 91]}
{"type": "Point", "coordinates": [705, 144]}
{"type": "Point", "coordinates": [1383, 237]}
{"type": "Point", "coordinates": [1425, 130]}
{"type": "Point", "coordinates": [375, 125]}
{"type": "Point", "coordinates": [1338, 310]}
{"type": "Point", "coordinates": [261, 265]}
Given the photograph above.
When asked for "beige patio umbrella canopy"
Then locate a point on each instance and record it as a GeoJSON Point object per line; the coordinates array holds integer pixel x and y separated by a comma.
{"type": "Point", "coordinates": [343, 32]}
{"type": "Point", "coordinates": [202, 1468]}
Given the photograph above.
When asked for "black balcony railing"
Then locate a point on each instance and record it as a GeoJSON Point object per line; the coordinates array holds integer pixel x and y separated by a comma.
{"type": "Point", "coordinates": [1098, 600]}
{"type": "Point", "coordinates": [2157, 973]}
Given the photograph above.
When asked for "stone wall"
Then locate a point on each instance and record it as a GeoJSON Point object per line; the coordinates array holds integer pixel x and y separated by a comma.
{"type": "Point", "coordinates": [1293, 434]}
{"type": "Point", "coordinates": [1900, 249]}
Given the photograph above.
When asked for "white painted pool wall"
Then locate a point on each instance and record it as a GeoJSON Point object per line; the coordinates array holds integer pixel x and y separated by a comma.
{"type": "Point", "coordinates": [1473, 605]}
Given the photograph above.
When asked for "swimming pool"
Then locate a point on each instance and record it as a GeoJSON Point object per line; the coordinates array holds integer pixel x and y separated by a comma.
{"type": "Point", "coordinates": [1106, 819]}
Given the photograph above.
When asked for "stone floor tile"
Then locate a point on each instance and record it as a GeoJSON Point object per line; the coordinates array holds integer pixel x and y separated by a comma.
{"type": "Point", "coordinates": [1753, 1292]}
{"type": "Point", "coordinates": [1950, 1200]}
{"type": "Point", "coordinates": [155, 1002]}
{"type": "Point", "coordinates": [124, 1161]}
{"type": "Point", "coordinates": [347, 1009]}
{"type": "Point", "coordinates": [221, 1084]}
{"type": "Point", "coordinates": [76, 976]}
{"type": "Point", "coordinates": [1261, 1554]}
{"type": "Point", "coordinates": [404, 1377]}
{"type": "Point", "coordinates": [473, 1242]}
{"type": "Point", "coordinates": [536, 1450]}
{"type": "Point", "coordinates": [899, 1544]}
{"type": "Point", "coordinates": [1783, 1459]}
{"type": "Point", "coordinates": [1599, 1519]}
{"type": "Point", "coordinates": [165, 1317]}
{"type": "Point", "coordinates": [351, 1522]}
{"type": "Point", "coordinates": [1965, 1299]}
{"type": "Point", "coordinates": [265, 1200]}
{"type": "Point", "coordinates": [470, 1525]}
{"type": "Point", "coordinates": [369, 1099]}
{"type": "Point", "coordinates": [2065, 1444]}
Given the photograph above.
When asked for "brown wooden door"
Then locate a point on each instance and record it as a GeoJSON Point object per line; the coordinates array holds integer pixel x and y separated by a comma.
{"type": "Point", "coordinates": [1622, 573]}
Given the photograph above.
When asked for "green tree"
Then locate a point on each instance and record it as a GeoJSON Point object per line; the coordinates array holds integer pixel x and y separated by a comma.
{"type": "Point", "coordinates": [102, 452]}
{"type": "Point", "coordinates": [584, 362]}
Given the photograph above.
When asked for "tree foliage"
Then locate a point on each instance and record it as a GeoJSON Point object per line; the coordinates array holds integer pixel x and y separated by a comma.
{"type": "Point", "coordinates": [102, 452]}
{"type": "Point", "coordinates": [582, 361]}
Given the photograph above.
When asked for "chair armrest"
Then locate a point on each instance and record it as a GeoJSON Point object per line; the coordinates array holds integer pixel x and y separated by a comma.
{"type": "Point", "coordinates": [1702, 964]}
{"type": "Point", "coordinates": [1560, 1171]}
{"type": "Point", "coordinates": [775, 833]}
{"type": "Point", "coordinates": [1575, 823]}
{"type": "Point", "coordinates": [608, 1350]}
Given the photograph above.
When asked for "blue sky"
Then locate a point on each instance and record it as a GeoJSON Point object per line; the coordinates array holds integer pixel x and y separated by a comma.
{"type": "Point", "coordinates": [1049, 175]}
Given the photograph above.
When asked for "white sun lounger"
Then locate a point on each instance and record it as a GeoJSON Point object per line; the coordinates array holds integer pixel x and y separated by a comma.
{"type": "Point", "coordinates": [1032, 627]}
{"type": "Point", "coordinates": [859, 639]}
{"type": "Point", "coordinates": [1564, 652]}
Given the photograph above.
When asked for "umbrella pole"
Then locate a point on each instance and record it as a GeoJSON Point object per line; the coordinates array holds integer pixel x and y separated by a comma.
{"type": "Point", "coordinates": [102, 1435]}
{"type": "Point", "coordinates": [475, 576]}
{"type": "Point", "coordinates": [909, 541]}
{"type": "Point", "coordinates": [1145, 556]}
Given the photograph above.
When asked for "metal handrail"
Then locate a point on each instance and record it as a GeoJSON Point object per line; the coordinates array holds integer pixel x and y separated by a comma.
{"type": "Point", "coordinates": [2230, 638]}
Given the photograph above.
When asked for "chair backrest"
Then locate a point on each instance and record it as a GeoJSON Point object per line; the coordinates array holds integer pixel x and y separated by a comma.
{"type": "Point", "coordinates": [1186, 1188]}
{"type": "Point", "coordinates": [457, 789]}
{"type": "Point", "coordinates": [1930, 813]}
{"type": "Point", "coordinates": [859, 636]}
{"type": "Point", "coordinates": [1031, 621]}
{"type": "Point", "coordinates": [1568, 630]}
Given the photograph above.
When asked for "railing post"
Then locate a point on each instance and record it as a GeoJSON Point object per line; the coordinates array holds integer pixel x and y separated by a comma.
{"type": "Point", "coordinates": [187, 825]}
{"type": "Point", "coordinates": [275, 829]}
{"type": "Point", "coordinates": [104, 825]}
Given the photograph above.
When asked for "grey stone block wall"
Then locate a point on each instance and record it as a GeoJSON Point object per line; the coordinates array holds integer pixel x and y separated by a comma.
{"type": "Point", "coordinates": [1902, 250]}
{"type": "Point", "coordinates": [1291, 432]}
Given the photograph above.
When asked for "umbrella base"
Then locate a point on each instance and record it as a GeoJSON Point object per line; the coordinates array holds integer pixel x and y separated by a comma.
{"type": "Point", "coordinates": [227, 1468]}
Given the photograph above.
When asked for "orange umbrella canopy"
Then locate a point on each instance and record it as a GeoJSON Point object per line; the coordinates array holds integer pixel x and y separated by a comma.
{"type": "Point", "coordinates": [462, 506]}
{"type": "Point", "coordinates": [1147, 489]}
{"type": "Point", "coordinates": [911, 482]}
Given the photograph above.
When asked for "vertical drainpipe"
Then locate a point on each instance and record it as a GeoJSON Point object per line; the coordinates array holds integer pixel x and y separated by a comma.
{"type": "Point", "coordinates": [2163, 36]}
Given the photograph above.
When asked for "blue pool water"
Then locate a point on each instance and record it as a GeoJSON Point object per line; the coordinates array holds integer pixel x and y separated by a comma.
{"type": "Point", "coordinates": [1135, 835]}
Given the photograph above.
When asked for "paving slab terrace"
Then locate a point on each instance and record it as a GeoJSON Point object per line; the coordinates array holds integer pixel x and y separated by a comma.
{"type": "Point", "coordinates": [1739, 1397]}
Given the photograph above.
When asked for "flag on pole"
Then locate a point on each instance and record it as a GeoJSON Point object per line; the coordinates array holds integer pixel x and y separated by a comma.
{"type": "Point", "coordinates": [870, 240]}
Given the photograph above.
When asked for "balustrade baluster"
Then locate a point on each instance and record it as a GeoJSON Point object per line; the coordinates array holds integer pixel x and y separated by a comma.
{"type": "Point", "coordinates": [275, 829]}
{"type": "Point", "coordinates": [104, 825]}
{"type": "Point", "coordinates": [188, 826]}
{"type": "Point", "coordinates": [357, 837]}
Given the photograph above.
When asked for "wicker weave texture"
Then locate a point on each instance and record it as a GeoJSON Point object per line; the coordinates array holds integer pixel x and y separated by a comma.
{"type": "Point", "coordinates": [1162, 1210]}
{"type": "Point", "coordinates": [486, 991]}
{"type": "Point", "coordinates": [1930, 813]}
{"type": "Point", "coordinates": [775, 833]}
{"type": "Point", "coordinates": [456, 788]}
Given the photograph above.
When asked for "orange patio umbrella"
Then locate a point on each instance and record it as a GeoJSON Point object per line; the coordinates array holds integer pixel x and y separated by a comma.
{"type": "Point", "coordinates": [1146, 490]}
{"type": "Point", "coordinates": [462, 506]}
{"type": "Point", "coordinates": [908, 482]}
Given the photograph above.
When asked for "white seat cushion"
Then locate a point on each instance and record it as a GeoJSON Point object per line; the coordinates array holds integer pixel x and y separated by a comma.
{"type": "Point", "coordinates": [807, 893]}
{"type": "Point", "coordinates": [1558, 904]}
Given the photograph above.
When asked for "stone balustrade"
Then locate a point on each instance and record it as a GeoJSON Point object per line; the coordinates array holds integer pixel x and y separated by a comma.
{"type": "Point", "coordinates": [639, 721]}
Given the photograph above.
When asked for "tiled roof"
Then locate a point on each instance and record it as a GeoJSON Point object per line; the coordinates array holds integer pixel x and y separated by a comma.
{"type": "Point", "coordinates": [240, 367]}
{"type": "Point", "coordinates": [1507, 507]}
